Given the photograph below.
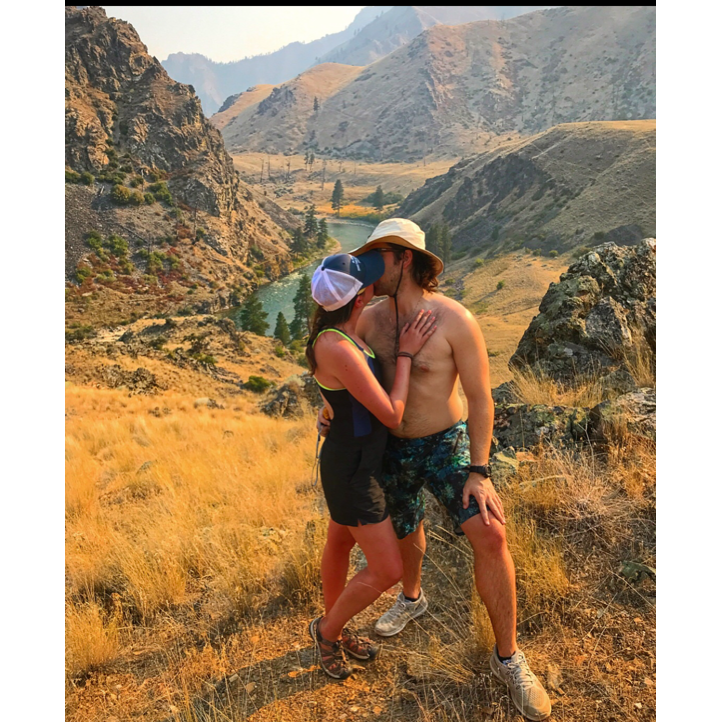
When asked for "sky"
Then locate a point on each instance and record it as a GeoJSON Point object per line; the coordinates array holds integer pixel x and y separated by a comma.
{"type": "Point", "coordinates": [230, 33]}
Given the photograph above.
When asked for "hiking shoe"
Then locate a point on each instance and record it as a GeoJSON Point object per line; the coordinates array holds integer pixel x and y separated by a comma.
{"type": "Point", "coordinates": [330, 654]}
{"type": "Point", "coordinates": [400, 615]}
{"type": "Point", "coordinates": [359, 647]}
{"type": "Point", "coordinates": [526, 691]}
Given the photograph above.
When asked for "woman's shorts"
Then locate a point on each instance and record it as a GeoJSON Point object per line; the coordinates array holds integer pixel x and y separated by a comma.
{"type": "Point", "coordinates": [349, 476]}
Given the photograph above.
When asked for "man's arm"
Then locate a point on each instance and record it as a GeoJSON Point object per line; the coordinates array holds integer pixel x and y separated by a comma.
{"type": "Point", "coordinates": [472, 363]}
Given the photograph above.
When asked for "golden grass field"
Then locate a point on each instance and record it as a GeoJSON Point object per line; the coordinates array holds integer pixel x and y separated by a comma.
{"type": "Point", "coordinates": [193, 541]}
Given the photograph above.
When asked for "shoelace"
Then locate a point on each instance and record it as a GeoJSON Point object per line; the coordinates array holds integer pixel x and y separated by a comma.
{"type": "Point", "coordinates": [523, 676]}
{"type": "Point", "coordinates": [399, 608]}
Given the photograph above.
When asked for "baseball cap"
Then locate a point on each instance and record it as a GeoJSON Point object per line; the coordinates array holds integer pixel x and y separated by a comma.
{"type": "Point", "coordinates": [340, 277]}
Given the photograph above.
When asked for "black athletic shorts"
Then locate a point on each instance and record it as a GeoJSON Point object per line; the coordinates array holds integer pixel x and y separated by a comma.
{"type": "Point", "coordinates": [349, 475]}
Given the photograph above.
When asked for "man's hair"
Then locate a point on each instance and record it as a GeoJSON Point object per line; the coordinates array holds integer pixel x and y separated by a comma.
{"type": "Point", "coordinates": [422, 268]}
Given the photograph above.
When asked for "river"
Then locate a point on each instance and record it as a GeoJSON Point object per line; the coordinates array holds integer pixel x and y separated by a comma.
{"type": "Point", "coordinates": [277, 296]}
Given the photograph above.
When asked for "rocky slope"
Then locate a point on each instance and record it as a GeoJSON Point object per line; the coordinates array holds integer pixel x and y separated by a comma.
{"type": "Point", "coordinates": [451, 89]}
{"type": "Point", "coordinates": [215, 82]}
{"type": "Point", "coordinates": [401, 24]}
{"type": "Point", "coordinates": [571, 185]}
{"type": "Point", "coordinates": [277, 121]}
{"type": "Point", "coordinates": [137, 132]}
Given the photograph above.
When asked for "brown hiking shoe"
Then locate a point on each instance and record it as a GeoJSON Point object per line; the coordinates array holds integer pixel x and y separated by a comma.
{"type": "Point", "coordinates": [331, 656]}
{"type": "Point", "coordinates": [359, 647]}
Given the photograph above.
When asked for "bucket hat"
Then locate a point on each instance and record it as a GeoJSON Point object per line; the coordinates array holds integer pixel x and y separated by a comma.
{"type": "Point", "coordinates": [400, 232]}
{"type": "Point", "coordinates": [340, 277]}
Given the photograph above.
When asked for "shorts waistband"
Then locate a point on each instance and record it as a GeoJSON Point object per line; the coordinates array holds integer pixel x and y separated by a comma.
{"type": "Point", "coordinates": [397, 441]}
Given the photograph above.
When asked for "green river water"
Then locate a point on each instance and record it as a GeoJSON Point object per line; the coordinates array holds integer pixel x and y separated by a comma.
{"type": "Point", "coordinates": [278, 295]}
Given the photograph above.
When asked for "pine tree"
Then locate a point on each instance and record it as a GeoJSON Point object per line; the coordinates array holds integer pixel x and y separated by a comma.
{"type": "Point", "coordinates": [310, 228]}
{"type": "Point", "coordinates": [432, 239]}
{"type": "Point", "coordinates": [253, 317]}
{"type": "Point", "coordinates": [303, 308]}
{"type": "Point", "coordinates": [337, 197]}
{"type": "Point", "coordinates": [299, 244]}
{"type": "Point", "coordinates": [378, 199]}
{"type": "Point", "coordinates": [445, 243]}
{"type": "Point", "coordinates": [322, 236]}
{"type": "Point", "coordinates": [315, 105]}
{"type": "Point", "coordinates": [281, 332]}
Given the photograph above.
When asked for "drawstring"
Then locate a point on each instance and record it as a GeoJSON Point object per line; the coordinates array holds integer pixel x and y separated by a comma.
{"type": "Point", "coordinates": [317, 463]}
{"type": "Point", "coordinates": [396, 306]}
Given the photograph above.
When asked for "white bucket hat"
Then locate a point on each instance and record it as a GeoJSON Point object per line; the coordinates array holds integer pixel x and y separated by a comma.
{"type": "Point", "coordinates": [400, 232]}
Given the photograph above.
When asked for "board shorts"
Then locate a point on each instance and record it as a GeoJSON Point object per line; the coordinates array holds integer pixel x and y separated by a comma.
{"type": "Point", "coordinates": [440, 461]}
{"type": "Point", "coordinates": [350, 474]}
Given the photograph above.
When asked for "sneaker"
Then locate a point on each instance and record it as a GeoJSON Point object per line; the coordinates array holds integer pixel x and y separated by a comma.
{"type": "Point", "coordinates": [330, 654]}
{"type": "Point", "coordinates": [400, 615]}
{"type": "Point", "coordinates": [525, 689]}
{"type": "Point", "coordinates": [359, 647]}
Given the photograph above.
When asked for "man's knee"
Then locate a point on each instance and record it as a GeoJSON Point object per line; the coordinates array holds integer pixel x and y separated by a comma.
{"type": "Point", "coordinates": [487, 540]}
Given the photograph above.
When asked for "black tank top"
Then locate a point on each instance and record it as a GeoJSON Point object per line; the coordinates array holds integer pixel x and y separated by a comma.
{"type": "Point", "coordinates": [351, 419]}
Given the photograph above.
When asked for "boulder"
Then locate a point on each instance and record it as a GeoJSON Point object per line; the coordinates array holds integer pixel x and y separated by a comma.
{"type": "Point", "coordinates": [634, 413]}
{"type": "Point", "coordinates": [603, 307]}
{"type": "Point", "coordinates": [524, 426]}
{"type": "Point", "coordinates": [140, 381]}
{"type": "Point", "coordinates": [295, 397]}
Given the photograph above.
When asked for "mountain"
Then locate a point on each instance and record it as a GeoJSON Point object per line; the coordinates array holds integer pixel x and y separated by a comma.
{"type": "Point", "coordinates": [276, 119]}
{"type": "Point", "coordinates": [216, 81]}
{"type": "Point", "coordinates": [401, 24]}
{"type": "Point", "coordinates": [135, 132]}
{"type": "Point", "coordinates": [575, 184]}
{"type": "Point", "coordinates": [452, 88]}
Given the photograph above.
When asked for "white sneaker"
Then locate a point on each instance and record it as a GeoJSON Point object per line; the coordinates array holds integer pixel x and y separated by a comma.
{"type": "Point", "coordinates": [400, 615]}
{"type": "Point", "coordinates": [525, 689]}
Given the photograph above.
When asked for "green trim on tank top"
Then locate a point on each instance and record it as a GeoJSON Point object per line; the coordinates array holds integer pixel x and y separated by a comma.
{"type": "Point", "coordinates": [369, 353]}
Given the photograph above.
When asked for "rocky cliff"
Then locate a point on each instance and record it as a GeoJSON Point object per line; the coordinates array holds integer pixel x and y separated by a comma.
{"type": "Point", "coordinates": [156, 171]}
{"type": "Point", "coordinates": [575, 184]}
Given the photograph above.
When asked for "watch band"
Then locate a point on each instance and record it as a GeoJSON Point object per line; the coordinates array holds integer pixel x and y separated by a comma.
{"type": "Point", "coordinates": [483, 470]}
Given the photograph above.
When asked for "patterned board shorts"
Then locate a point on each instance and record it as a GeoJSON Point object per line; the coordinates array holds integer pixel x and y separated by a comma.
{"type": "Point", "coordinates": [439, 460]}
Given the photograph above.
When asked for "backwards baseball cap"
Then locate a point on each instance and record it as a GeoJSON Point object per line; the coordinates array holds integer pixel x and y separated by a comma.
{"type": "Point", "coordinates": [340, 277]}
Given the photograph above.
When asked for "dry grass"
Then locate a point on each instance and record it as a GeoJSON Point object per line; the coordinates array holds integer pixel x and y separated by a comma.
{"type": "Point", "coordinates": [536, 387]}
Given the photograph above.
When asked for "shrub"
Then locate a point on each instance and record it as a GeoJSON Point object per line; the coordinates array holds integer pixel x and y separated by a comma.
{"type": "Point", "coordinates": [155, 262]}
{"type": "Point", "coordinates": [161, 192]}
{"type": "Point", "coordinates": [149, 199]}
{"type": "Point", "coordinates": [137, 198]}
{"type": "Point", "coordinates": [72, 177]}
{"type": "Point", "coordinates": [120, 195]}
{"type": "Point", "coordinates": [598, 235]}
{"type": "Point", "coordinates": [107, 276]}
{"type": "Point", "coordinates": [500, 285]}
{"type": "Point", "coordinates": [87, 178]}
{"type": "Point", "coordinates": [80, 333]}
{"type": "Point", "coordinates": [200, 233]}
{"type": "Point", "coordinates": [536, 252]}
{"type": "Point", "coordinates": [126, 168]}
{"type": "Point", "coordinates": [553, 254]}
{"type": "Point", "coordinates": [279, 351]}
{"type": "Point", "coordinates": [117, 245]}
{"type": "Point", "coordinates": [83, 272]}
{"type": "Point", "coordinates": [581, 251]}
{"type": "Point", "coordinates": [136, 181]}
{"type": "Point", "coordinates": [173, 262]}
{"type": "Point", "coordinates": [478, 263]}
{"type": "Point", "coordinates": [94, 240]}
{"type": "Point", "coordinates": [258, 384]}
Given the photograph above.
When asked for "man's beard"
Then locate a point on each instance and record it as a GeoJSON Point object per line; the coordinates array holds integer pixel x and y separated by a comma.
{"type": "Point", "coordinates": [386, 285]}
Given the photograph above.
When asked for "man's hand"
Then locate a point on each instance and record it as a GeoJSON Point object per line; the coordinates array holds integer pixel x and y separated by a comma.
{"type": "Point", "coordinates": [323, 422]}
{"type": "Point", "coordinates": [485, 494]}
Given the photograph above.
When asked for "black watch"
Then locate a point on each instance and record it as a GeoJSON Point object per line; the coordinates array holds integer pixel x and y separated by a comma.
{"type": "Point", "coordinates": [485, 471]}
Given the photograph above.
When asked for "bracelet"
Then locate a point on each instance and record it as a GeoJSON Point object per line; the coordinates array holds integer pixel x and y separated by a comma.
{"type": "Point", "coordinates": [406, 354]}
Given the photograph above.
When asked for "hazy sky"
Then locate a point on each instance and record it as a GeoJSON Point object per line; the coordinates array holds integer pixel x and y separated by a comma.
{"type": "Point", "coordinates": [230, 33]}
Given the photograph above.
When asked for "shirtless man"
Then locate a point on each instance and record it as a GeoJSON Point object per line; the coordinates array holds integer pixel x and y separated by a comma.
{"type": "Point", "coordinates": [433, 446]}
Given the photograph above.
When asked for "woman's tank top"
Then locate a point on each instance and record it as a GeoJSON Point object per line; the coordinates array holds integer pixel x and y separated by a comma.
{"type": "Point", "coordinates": [351, 419]}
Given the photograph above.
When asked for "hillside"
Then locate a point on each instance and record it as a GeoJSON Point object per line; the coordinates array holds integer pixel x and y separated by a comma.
{"type": "Point", "coordinates": [401, 24]}
{"type": "Point", "coordinates": [215, 82]}
{"type": "Point", "coordinates": [572, 185]}
{"type": "Point", "coordinates": [277, 121]}
{"type": "Point", "coordinates": [150, 178]}
{"type": "Point", "coordinates": [452, 90]}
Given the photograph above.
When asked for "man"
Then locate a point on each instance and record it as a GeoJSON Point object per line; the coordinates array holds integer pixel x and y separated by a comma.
{"type": "Point", "coordinates": [433, 446]}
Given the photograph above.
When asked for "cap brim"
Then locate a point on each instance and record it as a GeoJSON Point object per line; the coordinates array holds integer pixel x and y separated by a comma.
{"type": "Point", "coordinates": [397, 241]}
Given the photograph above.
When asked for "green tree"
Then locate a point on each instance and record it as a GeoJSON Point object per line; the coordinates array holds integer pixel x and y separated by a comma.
{"type": "Point", "coordinates": [253, 317]}
{"type": "Point", "coordinates": [310, 225]}
{"type": "Point", "coordinates": [432, 239]}
{"type": "Point", "coordinates": [315, 104]}
{"type": "Point", "coordinates": [378, 199]}
{"type": "Point", "coordinates": [337, 197]}
{"type": "Point", "coordinates": [299, 244]}
{"type": "Point", "coordinates": [303, 308]}
{"type": "Point", "coordinates": [281, 331]}
{"type": "Point", "coordinates": [445, 243]}
{"type": "Point", "coordinates": [322, 236]}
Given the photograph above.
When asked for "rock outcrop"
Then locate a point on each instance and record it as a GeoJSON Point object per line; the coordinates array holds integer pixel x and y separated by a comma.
{"type": "Point", "coordinates": [596, 317]}
{"type": "Point", "coordinates": [297, 395]}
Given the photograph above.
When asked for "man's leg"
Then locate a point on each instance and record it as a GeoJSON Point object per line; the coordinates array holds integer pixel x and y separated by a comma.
{"type": "Point", "coordinates": [494, 577]}
{"type": "Point", "coordinates": [413, 548]}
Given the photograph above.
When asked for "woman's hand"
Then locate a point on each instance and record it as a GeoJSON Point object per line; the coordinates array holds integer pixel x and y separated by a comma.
{"type": "Point", "coordinates": [415, 334]}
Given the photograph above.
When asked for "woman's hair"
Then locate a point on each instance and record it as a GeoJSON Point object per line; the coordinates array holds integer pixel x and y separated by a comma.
{"type": "Point", "coordinates": [325, 319]}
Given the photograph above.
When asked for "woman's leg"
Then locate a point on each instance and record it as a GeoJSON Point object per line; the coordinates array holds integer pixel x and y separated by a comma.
{"type": "Point", "coordinates": [334, 562]}
{"type": "Point", "coordinates": [383, 570]}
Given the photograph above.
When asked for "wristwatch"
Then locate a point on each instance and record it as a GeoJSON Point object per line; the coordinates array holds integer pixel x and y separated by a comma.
{"type": "Point", "coordinates": [485, 471]}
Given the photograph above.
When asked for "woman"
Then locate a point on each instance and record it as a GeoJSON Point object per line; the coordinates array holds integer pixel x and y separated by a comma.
{"type": "Point", "coordinates": [350, 464]}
